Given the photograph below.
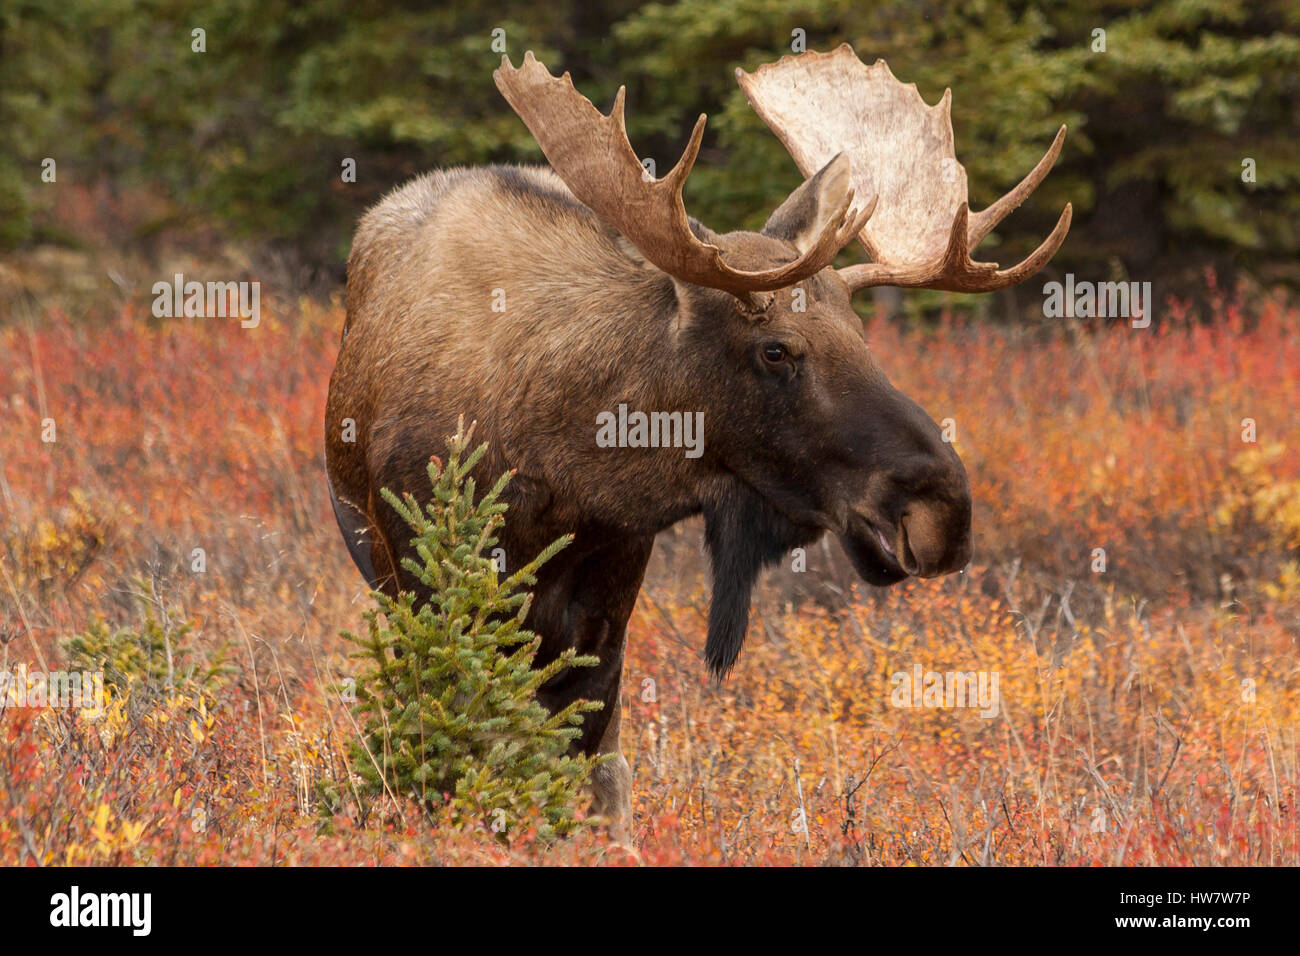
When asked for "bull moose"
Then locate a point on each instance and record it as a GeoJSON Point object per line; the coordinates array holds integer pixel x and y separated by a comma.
{"type": "Point", "coordinates": [540, 301]}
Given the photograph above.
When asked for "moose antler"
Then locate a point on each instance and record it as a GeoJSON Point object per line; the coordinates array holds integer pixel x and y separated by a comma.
{"type": "Point", "coordinates": [591, 153]}
{"type": "Point", "coordinates": [821, 104]}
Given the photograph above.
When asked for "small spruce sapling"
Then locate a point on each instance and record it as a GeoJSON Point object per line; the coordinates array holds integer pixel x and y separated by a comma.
{"type": "Point", "coordinates": [447, 708]}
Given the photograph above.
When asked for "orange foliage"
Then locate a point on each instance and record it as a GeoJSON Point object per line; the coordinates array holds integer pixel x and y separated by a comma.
{"type": "Point", "coordinates": [1147, 714]}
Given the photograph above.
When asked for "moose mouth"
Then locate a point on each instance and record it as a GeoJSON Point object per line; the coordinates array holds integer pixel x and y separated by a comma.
{"type": "Point", "coordinates": [874, 556]}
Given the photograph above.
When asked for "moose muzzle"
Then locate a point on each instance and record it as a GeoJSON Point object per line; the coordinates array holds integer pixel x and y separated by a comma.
{"type": "Point", "coordinates": [914, 515]}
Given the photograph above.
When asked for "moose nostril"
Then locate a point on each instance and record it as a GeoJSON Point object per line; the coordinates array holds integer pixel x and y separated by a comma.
{"type": "Point", "coordinates": [932, 541]}
{"type": "Point", "coordinates": [906, 556]}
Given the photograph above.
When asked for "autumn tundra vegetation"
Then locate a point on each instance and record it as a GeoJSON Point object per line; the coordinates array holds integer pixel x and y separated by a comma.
{"type": "Point", "coordinates": [193, 670]}
{"type": "Point", "coordinates": [1134, 587]}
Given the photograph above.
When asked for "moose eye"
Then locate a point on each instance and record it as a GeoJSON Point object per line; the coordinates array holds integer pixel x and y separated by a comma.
{"type": "Point", "coordinates": [774, 353]}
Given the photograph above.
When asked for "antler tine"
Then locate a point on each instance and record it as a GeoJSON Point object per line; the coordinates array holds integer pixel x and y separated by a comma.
{"type": "Point", "coordinates": [677, 175]}
{"type": "Point", "coordinates": [592, 154]}
{"type": "Point", "coordinates": [1040, 256]}
{"type": "Point", "coordinates": [984, 221]}
{"type": "Point", "coordinates": [956, 271]}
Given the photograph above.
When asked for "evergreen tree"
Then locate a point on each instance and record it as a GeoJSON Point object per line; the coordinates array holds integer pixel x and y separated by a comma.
{"type": "Point", "coordinates": [1183, 150]}
{"type": "Point", "coordinates": [447, 707]}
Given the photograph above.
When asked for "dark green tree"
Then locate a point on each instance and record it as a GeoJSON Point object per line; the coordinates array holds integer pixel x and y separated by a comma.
{"type": "Point", "coordinates": [447, 705]}
{"type": "Point", "coordinates": [1184, 150]}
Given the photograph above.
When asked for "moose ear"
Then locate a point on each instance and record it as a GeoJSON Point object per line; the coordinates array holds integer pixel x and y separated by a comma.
{"type": "Point", "coordinates": [800, 218]}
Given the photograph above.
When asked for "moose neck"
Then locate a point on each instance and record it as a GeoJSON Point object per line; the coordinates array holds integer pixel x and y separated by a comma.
{"type": "Point", "coordinates": [615, 390]}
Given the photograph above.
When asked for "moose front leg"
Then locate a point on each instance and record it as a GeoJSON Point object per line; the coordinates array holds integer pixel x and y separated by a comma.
{"type": "Point", "coordinates": [586, 606]}
{"type": "Point", "coordinates": [611, 782]}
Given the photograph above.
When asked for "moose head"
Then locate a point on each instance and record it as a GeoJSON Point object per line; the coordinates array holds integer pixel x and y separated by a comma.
{"type": "Point", "coordinates": [806, 433]}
